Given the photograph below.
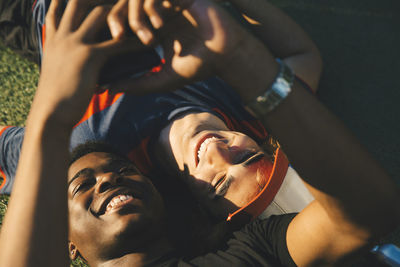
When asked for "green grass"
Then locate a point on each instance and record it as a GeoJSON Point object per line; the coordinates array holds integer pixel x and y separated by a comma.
{"type": "Point", "coordinates": [3, 207]}
{"type": "Point", "coordinates": [18, 79]}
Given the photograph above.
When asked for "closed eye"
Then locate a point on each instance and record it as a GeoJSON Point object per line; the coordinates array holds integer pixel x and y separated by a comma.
{"type": "Point", "coordinates": [83, 186]}
{"type": "Point", "coordinates": [127, 170]}
{"type": "Point", "coordinates": [220, 180]}
{"type": "Point", "coordinates": [223, 187]}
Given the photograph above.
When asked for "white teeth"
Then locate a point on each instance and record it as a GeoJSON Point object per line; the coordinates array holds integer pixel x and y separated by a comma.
{"type": "Point", "coordinates": [117, 200]}
{"type": "Point", "coordinates": [204, 145]}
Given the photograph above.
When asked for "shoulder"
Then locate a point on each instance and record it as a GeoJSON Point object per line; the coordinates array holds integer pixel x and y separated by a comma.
{"type": "Point", "coordinates": [260, 243]}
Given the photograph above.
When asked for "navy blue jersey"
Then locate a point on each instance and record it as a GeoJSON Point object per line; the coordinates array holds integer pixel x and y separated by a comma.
{"type": "Point", "coordinates": [129, 123]}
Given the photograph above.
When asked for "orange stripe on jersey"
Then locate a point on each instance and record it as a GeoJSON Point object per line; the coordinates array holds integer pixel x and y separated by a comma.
{"type": "Point", "coordinates": [1, 171]}
{"type": "Point", "coordinates": [98, 103]}
{"type": "Point", "coordinates": [159, 67]}
{"type": "Point", "coordinates": [5, 128]}
{"type": "Point", "coordinates": [43, 35]}
{"type": "Point", "coordinates": [4, 179]}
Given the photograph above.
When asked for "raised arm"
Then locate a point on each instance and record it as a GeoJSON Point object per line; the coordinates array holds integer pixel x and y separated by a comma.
{"type": "Point", "coordinates": [284, 38]}
{"type": "Point", "coordinates": [354, 196]}
{"type": "Point", "coordinates": [35, 226]}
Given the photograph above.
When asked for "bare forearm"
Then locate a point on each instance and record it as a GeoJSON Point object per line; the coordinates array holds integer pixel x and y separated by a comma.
{"type": "Point", "coordinates": [284, 37]}
{"type": "Point", "coordinates": [36, 220]}
{"type": "Point", "coordinates": [355, 188]}
{"type": "Point", "coordinates": [349, 184]}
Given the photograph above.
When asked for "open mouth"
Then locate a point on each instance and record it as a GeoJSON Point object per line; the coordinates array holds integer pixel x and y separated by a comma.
{"type": "Point", "coordinates": [202, 145]}
{"type": "Point", "coordinates": [118, 199]}
{"type": "Point", "coordinates": [117, 202]}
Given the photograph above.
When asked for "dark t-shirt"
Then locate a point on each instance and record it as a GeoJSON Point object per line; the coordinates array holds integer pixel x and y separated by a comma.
{"type": "Point", "coordinates": [260, 243]}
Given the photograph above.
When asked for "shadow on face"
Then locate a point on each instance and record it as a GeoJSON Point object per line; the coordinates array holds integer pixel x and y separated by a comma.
{"type": "Point", "coordinates": [113, 209]}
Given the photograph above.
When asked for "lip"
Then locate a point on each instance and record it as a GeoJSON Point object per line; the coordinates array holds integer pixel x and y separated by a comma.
{"type": "Point", "coordinates": [119, 205]}
{"type": "Point", "coordinates": [200, 142]}
{"type": "Point", "coordinates": [135, 193]}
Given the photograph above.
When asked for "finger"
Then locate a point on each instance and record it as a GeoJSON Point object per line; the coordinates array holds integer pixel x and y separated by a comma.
{"type": "Point", "coordinates": [137, 22]}
{"type": "Point", "coordinates": [74, 14]}
{"type": "Point", "coordinates": [53, 17]}
{"type": "Point", "coordinates": [177, 5]}
{"type": "Point", "coordinates": [94, 23]}
{"type": "Point", "coordinates": [163, 81]}
{"type": "Point", "coordinates": [153, 9]}
{"type": "Point", "coordinates": [117, 19]}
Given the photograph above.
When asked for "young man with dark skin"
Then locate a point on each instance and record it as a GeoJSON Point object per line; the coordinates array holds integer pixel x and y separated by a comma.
{"type": "Point", "coordinates": [113, 210]}
{"type": "Point", "coordinates": [179, 142]}
{"type": "Point", "coordinates": [353, 194]}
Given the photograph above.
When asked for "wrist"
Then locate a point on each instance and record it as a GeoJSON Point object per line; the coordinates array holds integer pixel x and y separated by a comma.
{"type": "Point", "coordinates": [275, 94]}
{"type": "Point", "coordinates": [50, 115]}
{"type": "Point", "coordinates": [250, 70]}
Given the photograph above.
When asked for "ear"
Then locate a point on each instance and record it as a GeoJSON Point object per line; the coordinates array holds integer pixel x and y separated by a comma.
{"type": "Point", "coordinates": [73, 251]}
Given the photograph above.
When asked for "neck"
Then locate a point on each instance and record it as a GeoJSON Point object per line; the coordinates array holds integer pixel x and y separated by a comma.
{"type": "Point", "coordinates": [147, 256]}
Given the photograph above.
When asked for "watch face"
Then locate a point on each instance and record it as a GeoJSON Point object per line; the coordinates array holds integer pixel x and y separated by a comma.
{"type": "Point", "coordinates": [281, 87]}
{"type": "Point", "coordinates": [273, 96]}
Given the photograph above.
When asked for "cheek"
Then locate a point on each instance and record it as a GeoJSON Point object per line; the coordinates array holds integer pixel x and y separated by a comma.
{"type": "Point", "coordinates": [81, 221]}
{"type": "Point", "coordinates": [262, 171]}
{"type": "Point", "coordinates": [243, 190]}
{"type": "Point", "coordinates": [175, 157]}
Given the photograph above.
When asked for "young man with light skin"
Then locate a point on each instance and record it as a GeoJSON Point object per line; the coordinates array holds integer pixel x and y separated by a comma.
{"type": "Point", "coordinates": [189, 140]}
{"type": "Point", "coordinates": [337, 224]}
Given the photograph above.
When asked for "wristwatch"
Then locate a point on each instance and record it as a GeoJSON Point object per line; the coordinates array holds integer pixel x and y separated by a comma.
{"type": "Point", "coordinates": [273, 96]}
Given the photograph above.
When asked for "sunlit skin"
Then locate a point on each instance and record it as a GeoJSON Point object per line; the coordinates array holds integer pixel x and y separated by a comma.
{"type": "Point", "coordinates": [225, 167]}
{"type": "Point", "coordinates": [100, 232]}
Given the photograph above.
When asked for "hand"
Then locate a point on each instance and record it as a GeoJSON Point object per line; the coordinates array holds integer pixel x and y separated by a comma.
{"type": "Point", "coordinates": [142, 16]}
{"type": "Point", "coordinates": [198, 41]}
{"type": "Point", "coordinates": [73, 58]}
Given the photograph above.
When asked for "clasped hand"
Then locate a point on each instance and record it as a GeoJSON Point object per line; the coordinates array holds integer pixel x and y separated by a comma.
{"type": "Point", "coordinates": [197, 36]}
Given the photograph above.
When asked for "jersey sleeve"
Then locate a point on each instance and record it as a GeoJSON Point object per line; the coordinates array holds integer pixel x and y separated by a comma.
{"type": "Point", "coordinates": [10, 147]}
{"type": "Point", "coordinates": [259, 243]}
{"type": "Point", "coordinates": [275, 229]}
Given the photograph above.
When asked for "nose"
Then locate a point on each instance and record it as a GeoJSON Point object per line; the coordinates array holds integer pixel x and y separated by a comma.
{"type": "Point", "coordinates": [219, 154]}
{"type": "Point", "coordinates": [105, 181]}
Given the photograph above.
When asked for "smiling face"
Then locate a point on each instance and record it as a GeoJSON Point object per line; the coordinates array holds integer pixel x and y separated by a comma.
{"type": "Point", "coordinates": [112, 208]}
{"type": "Point", "coordinates": [226, 169]}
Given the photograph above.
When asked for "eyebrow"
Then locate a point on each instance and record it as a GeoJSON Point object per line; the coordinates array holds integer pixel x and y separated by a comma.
{"type": "Point", "coordinates": [80, 173]}
{"type": "Point", "coordinates": [109, 166]}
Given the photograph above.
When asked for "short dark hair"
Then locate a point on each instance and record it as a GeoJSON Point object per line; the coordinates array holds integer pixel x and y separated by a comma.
{"type": "Point", "coordinates": [91, 147]}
